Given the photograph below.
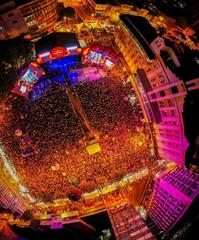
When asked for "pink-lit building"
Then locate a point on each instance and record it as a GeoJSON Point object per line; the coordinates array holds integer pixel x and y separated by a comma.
{"type": "Point", "coordinates": [10, 198]}
{"type": "Point", "coordinates": [172, 196]}
{"type": "Point", "coordinates": [156, 73]}
{"type": "Point", "coordinates": [127, 223]}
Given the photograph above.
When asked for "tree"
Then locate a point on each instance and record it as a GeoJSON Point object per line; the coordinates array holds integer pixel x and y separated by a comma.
{"type": "Point", "coordinates": [14, 54]}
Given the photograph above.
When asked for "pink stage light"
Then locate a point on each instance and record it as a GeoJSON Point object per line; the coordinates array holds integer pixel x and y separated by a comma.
{"type": "Point", "coordinates": [71, 48]}
{"type": "Point", "coordinates": [46, 54]}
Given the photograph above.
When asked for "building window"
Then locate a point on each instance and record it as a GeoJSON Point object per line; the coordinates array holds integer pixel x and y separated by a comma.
{"type": "Point", "coordinates": [163, 81]}
{"type": "Point", "coordinates": [162, 104]}
{"type": "Point", "coordinates": [164, 113]}
{"type": "Point", "coordinates": [173, 113]}
{"type": "Point", "coordinates": [171, 103]}
{"type": "Point", "coordinates": [162, 93]}
{"type": "Point", "coordinates": [174, 89]}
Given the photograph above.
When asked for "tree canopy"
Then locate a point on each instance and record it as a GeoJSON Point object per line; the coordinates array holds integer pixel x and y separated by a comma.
{"type": "Point", "coordinates": [14, 53]}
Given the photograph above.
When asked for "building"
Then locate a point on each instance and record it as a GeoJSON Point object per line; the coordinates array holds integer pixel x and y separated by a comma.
{"type": "Point", "coordinates": [12, 23]}
{"type": "Point", "coordinates": [127, 223]}
{"type": "Point", "coordinates": [10, 197]}
{"type": "Point", "coordinates": [83, 9]}
{"type": "Point", "coordinates": [172, 195]}
{"type": "Point", "coordinates": [34, 17]}
{"type": "Point", "coordinates": [156, 67]}
{"type": "Point", "coordinates": [39, 15]}
{"type": "Point", "coordinates": [187, 9]}
{"type": "Point", "coordinates": [99, 9]}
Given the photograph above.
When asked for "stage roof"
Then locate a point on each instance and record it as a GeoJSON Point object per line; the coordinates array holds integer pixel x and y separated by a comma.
{"type": "Point", "coordinates": [56, 39]}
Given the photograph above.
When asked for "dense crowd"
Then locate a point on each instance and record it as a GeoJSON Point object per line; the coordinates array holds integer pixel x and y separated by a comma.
{"type": "Point", "coordinates": [55, 134]}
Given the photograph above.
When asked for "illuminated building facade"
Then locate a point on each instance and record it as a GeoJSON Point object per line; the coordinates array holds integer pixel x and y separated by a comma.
{"type": "Point", "coordinates": [12, 23]}
{"type": "Point", "coordinates": [39, 15]}
{"type": "Point", "coordinates": [82, 8]}
{"type": "Point", "coordinates": [171, 197]}
{"type": "Point", "coordinates": [34, 17]}
{"type": "Point", "coordinates": [111, 9]}
{"type": "Point", "coordinates": [96, 9]}
{"type": "Point", "coordinates": [127, 223]}
{"type": "Point", "coordinates": [154, 68]}
{"type": "Point", "coordinates": [10, 197]}
{"type": "Point", "coordinates": [11, 200]}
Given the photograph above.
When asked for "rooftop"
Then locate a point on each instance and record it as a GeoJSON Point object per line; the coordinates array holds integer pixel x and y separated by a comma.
{"type": "Point", "coordinates": [142, 30]}
{"type": "Point", "coordinates": [114, 2]}
{"type": "Point", "coordinates": [56, 39]}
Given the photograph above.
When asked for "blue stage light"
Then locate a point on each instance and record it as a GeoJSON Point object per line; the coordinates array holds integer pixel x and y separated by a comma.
{"type": "Point", "coordinates": [57, 73]}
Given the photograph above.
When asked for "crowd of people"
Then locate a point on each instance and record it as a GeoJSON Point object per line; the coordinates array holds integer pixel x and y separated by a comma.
{"type": "Point", "coordinates": [60, 158]}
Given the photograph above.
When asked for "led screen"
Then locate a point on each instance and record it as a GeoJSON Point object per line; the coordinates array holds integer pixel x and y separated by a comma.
{"type": "Point", "coordinates": [95, 57]}
{"type": "Point", "coordinates": [29, 76]}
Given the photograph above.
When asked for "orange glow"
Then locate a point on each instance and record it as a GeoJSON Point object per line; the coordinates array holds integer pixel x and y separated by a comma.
{"type": "Point", "coordinates": [93, 149]}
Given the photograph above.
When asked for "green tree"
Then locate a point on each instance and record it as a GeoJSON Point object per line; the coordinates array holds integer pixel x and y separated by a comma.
{"type": "Point", "coordinates": [14, 53]}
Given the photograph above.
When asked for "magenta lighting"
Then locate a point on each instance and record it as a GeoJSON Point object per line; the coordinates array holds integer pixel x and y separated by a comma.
{"type": "Point", "coordinates": [71, 48]}
{"type": "Point", "coordinates": [44, 54]}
